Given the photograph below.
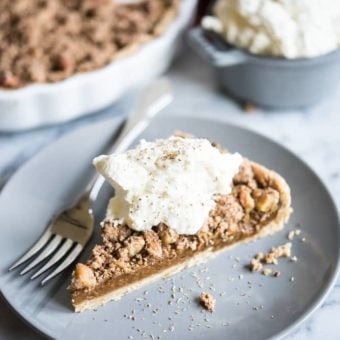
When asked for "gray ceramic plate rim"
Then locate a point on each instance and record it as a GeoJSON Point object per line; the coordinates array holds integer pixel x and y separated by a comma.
{"type": "Point", "coordinates": [314, 305]}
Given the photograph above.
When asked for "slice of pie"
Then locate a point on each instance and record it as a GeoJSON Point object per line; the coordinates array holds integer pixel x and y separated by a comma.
{"type": "Point", "coordinates": [132, 254]}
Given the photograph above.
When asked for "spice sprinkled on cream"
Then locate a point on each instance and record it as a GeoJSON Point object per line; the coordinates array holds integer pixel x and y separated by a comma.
{"type": "Point", "coordinates": [171, 181]}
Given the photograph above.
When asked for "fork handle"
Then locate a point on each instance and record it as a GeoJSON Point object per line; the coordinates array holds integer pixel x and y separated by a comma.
{"type": "Point", "coordinates": [153, 99]}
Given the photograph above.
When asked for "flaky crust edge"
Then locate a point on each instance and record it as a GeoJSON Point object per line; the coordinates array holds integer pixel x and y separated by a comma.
{"type": "Point", "coordinates": [274, 226]}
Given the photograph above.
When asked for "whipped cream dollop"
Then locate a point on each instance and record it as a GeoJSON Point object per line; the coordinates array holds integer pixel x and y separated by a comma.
{"type": "Point", "coordinates": [171, 181]}
{"type": "Point", "coordinates": [286, 28]}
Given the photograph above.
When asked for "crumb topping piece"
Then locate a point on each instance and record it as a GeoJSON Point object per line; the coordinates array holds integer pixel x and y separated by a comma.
{"type": "Point", "coordinates": [255, 265]}
{"type": "Point", "coordinates": [83, 277]}
{"type": "Point", "coordinates": [207, 301]}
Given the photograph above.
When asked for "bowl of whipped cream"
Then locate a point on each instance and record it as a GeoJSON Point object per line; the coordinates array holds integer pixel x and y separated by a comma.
{"type": "Point", "coordinates": [274, 53]}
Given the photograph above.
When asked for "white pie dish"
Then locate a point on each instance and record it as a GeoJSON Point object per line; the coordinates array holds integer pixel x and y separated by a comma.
{"type": "Point", "coordinates": [44, 104]}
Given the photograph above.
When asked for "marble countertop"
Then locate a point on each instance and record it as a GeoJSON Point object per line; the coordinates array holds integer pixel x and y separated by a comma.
{"type": "Point", "coordinates": [314, 134]}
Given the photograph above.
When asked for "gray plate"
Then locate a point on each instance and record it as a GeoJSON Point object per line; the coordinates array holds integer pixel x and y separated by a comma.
{"type": "Point", "coordinates": [249, 305]}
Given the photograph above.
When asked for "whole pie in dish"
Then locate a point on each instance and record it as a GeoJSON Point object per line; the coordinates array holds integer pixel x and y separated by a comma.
{"type": "Point", "coordinates": [257, 204]}
{"type": "Point", "coordinates": [44, 41]}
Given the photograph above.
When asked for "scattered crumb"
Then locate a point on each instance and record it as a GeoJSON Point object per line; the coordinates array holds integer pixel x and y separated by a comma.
{"type": "Point", "coordinates": [292, 279]}
{"type": "Point", "coordinates": [249, 107]}
{"type": "Point", "coordinates": [259, 260]}
{"type": "Point", "coordinates": [293, 233]}
{"type": "Point", "coordinates": [283, 250]}
{"type": "Point", "coordinates": [255, 265]}
{"type": "Point", "coordinates": [266, 271]}
{"type": "Point", "coordinates": [303, 239]}
{"type": "Point", "coordinates": [207, 301]}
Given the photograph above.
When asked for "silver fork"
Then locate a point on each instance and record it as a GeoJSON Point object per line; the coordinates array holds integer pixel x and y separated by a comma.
{"type": "Point", "coordinates": [67, 234]}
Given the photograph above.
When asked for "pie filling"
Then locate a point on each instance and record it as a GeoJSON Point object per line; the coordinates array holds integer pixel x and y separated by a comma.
{"type": "Point", "coordinates": [127, 256]}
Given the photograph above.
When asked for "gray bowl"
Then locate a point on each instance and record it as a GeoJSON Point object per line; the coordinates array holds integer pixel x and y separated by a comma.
{"type": "Point", "coordinates": [276, 83]}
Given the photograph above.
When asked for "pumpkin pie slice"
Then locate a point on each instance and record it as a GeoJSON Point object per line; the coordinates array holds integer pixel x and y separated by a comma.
{"type": "Point", "coordinates": [258, 205]}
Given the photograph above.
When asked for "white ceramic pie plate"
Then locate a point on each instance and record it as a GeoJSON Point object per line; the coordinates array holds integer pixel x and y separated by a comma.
{"type": "Point", "coordinates": [44, 104]}
{"type": "Point", "coordinates": [250, 306]}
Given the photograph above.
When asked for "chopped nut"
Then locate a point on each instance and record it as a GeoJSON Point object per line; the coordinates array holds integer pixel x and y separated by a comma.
{"type": "Point", "coordinates": [207, 301]}
{"type": "Point", "coordinates": [153, 244]}
{"type": "Point", "coordinates": [246, 199]}
{"type": "Point", "coordinates": [134, 245]}
{"type": "Point", "coordinates": [267, 200]}
{"type": "Point", "coordinates": [83, 277]}
{"type": "Point", "coordinates": [169, 236]}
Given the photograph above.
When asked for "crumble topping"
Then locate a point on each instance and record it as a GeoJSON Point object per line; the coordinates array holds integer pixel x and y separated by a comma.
{"type": "Point", "coordinates": [124, 251]}
{"type": "Point", "coordinates": [50, 40]}
{"type": "Point", "coordinates": [207, 301]}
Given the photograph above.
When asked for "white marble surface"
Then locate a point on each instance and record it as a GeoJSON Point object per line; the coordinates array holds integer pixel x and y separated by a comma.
{"type": "Point", "coordinates": [314, 134]}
